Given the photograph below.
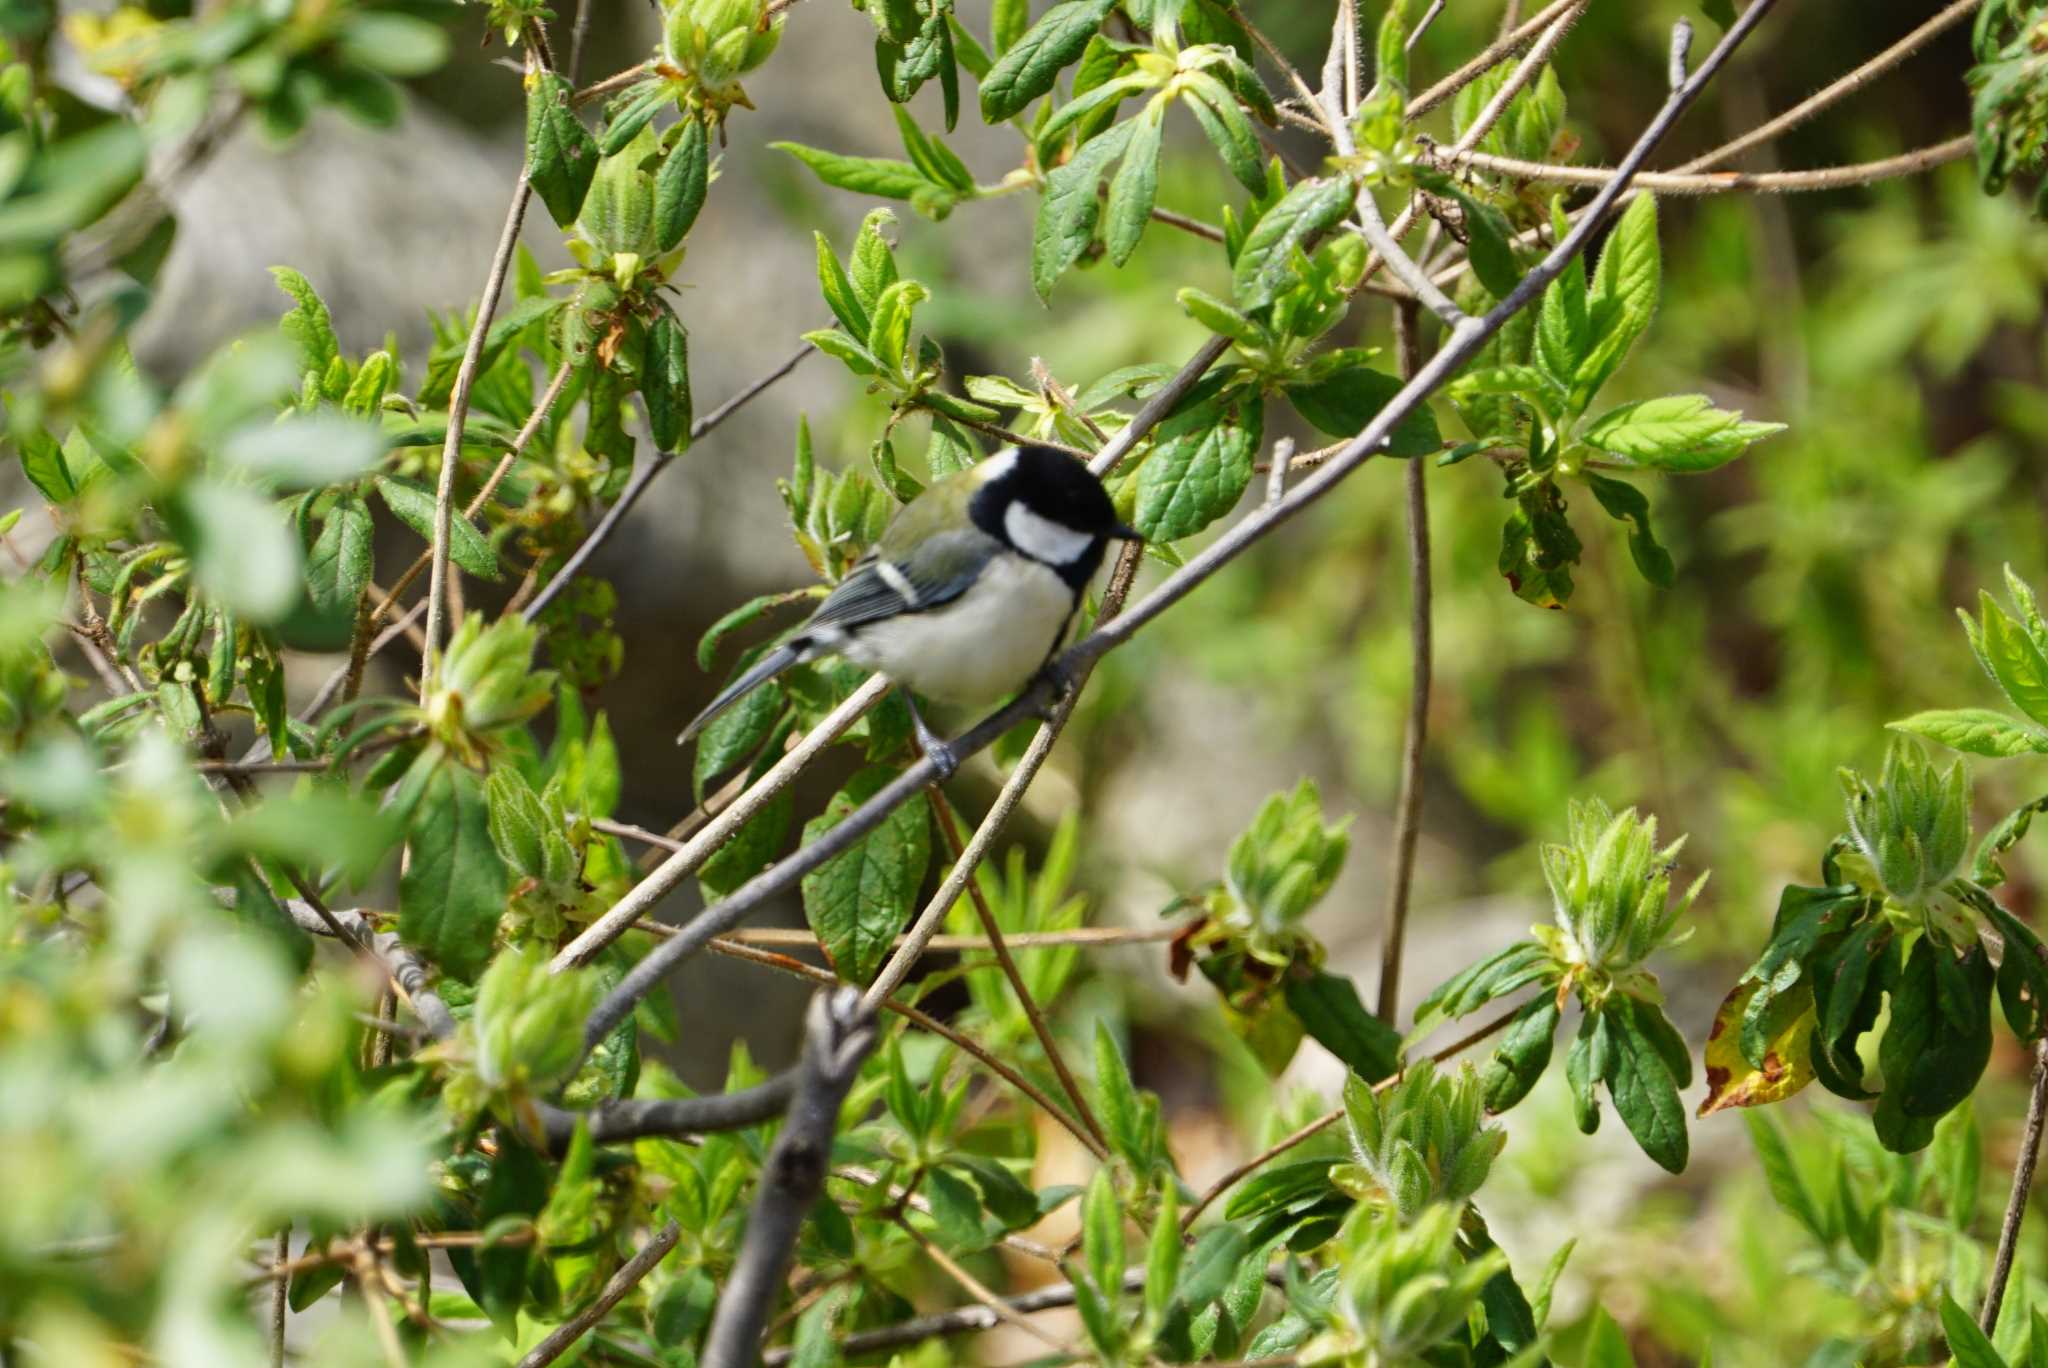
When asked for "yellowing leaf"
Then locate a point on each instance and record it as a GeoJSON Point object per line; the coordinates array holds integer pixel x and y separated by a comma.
{"type": "Point", "coordinates": [1788, 1059]}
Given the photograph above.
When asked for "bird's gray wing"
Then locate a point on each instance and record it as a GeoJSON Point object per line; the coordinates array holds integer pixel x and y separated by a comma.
{"type": "Point", "coordinates": [940, 570]}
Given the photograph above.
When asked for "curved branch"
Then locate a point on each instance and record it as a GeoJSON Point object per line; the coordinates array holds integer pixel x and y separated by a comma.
{"type": "Point", "coordinates": [1723, 182]}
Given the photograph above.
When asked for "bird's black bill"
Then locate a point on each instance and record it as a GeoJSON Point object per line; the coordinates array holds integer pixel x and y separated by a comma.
{"type": "Point", "coordinates": [1126, 532]}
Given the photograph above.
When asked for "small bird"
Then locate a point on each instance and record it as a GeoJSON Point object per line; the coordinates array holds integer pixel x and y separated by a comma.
{"type": "Point", "coordinates": [968, 593]}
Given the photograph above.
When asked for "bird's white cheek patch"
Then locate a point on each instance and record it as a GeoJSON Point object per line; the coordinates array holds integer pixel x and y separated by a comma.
{"type": "Point", "coordinates": [1042, 539]}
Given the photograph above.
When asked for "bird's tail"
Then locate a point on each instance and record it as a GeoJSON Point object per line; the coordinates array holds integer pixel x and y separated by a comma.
{"type": "Point", "coordinates": [765, 669]}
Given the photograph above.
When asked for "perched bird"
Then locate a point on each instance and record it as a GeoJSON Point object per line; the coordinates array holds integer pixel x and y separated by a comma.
{"type": "Point", "coordinates": [968, 593]}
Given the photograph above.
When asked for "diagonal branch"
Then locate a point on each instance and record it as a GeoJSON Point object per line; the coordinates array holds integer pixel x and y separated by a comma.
{"type": "Point", "coordinates": [625, 1280]}
{"type": "Point", "coordinates": [644, 477]}
{"type": "Point", "coordinates": [458, 418]}
{"type": "Point", "coordinates": [2022, 1184]}
{"type": "Point", "coordinates": [1463, 344]}
{"type": "Point", "coordinates": [838, 1033]}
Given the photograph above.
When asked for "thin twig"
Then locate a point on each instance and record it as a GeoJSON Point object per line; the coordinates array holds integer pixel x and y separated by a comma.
{"type": "Point", "coordinates": [1839, 89]}
{"type": "Point", "coordinates": [280, 1297]}
{"type": "Point", "coordinates": [625, 1280]}
{"type": "Point", "coordinates": [458, 418]}
{"type": "Point", "coordinates": [1087, 937]}
{"type": "Point", "coordinates": [1408, 806]}
{"type": "Point", "coordinates": [1723, 182]}
{"type": "Point", "coordinates": [1502, 48]}
{"type": "Point", "coordinates": [2022, 1184]}
{"type": "Point", "coordinates": [1463, 343]}
{"type": "Point", "coordinates": [483, 495]}
{"type": "Point", "coordinates": [949, 828]}
{"type": "Point", "coordinates": [1294, 77]}
{"type": "Point", "coordinates": [367, 1284]}
{"type": "Point", "coordinates": [838, 1033]}
{"type": "Point", "coordinates": [643, 896]}
{"type": "Point", "coordinates": [618, 80]}
{"type": "Point", "coordinates": [965, 1044]}
{"type": "Point", "coordinates": [644, 477]}
{"type": "Point", "coordinates": [977, 1289]}
{"type": "Point", "coordinates": [1154, 409]}
{"type": "Point", "coordinates": [579, 29]}
{"type": "Point", "coordinates": [1276, 469]}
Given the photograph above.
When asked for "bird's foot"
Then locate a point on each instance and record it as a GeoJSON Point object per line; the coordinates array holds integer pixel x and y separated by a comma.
{"type": "Point", "coordinates": [1064, 684]}
{"type": "Point", "coordinates": [936, 748]}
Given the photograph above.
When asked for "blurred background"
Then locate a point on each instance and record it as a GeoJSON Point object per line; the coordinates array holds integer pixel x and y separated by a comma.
{"type": "Point", "coordinates": [1897, 330]}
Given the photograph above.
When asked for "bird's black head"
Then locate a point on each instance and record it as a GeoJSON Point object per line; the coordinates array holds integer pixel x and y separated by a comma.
{"type": "Point", "coordinates": [1044, 504]}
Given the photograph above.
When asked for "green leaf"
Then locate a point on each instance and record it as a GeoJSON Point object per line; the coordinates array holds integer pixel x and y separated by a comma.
{"type": "Point", "coordinates": [1135, 189]}
{"type": "Point", "coordinates": [1199, 469]}
{"type": "Point", "coordinates": [2014, 659]}
{"type": "Point", "coordinates": [308, 324]}
{"type": "Point", "coordinates": [1224, 123]}
{"type": "Point", "coordinates": [1945, 1069]}
{"type": "Point", "coordinates": [1682, 433]}
{"type": "Point", "coordinates": [414, 506]}
{"type": "Point", "coordinates": [1640, 1082]}
{"type": "Point", "coordinates": [1211, 1265]}
{"type": "Point", "coordinates": [1102, 1234]}
{"type": "Point", "coordinates": [1029, 66]}
{"type": "Point", "coordinates": [889, 328]}
{"type": "Point", "coordinates": [2024, 967]}
{"type": "Point", "coordinates": [860, 899]}
{"type": "Point", "coordinates": [637, 113]}
{"type": "Point", "coordinates": [931, 156]}
{"type": "Point", "coordinates": [680, 185]}
{"type": "Point", "coordinates": [1564, 332]}
{"type": "Point", "coordinates": [1538, 548]}
{"type": "Point", "coordinates": [1220, 318]}
{"type": "Point", "coordinates": [882, 176]}
{"type": "Point", "coordinates": [1606, 1346]}
{"type": "Point", "coordinates": [242, 552]}
{"type": "Point", "coordinates": [1781, 1174]}
{"type": "Point", "coordinates": [749, 849]}
{"type": "Point", "coordinates": [1163, 1254]}
{"type": "Point", "coordinates": [1116, 1098]}
{"type": "Point", "coordinates": [42, 460]}
{"type": "Point", "coordinates": [1978, 731]}
{"type": "Point", "coordinates": [1625, 290]}
{"type": "Point", "coordinates": [1721, 12]}
{"type": "Point", "coordinates": [1624, 502]}
{"type": "Point", "coordinates": [1008, 1198]}
{"type": "Point", "coordinates": [1067, 211]}
{"type": "Point", "coordinates": [837, 288]}
{"type": "Point", "coordinates": [391, 44]}
{"type": "Point", "coordinates": [304, 451]}
{"type": "Point", "coordinates": [339, 565]}
{"type": "Point", "coordinates": [1330, 1010]}
{"type": "Point", "coordinates": [561, 156]}
{"type": "Point", "coordinates": [1966, 1342]}
{"type": "Point", "coordinates": [1344, 402]}
{"type": "Point", "coordinates": [453, 892]}
{"type": "Point", "coordinates": [1266, 264]}
{"type": "Point", "coordinates": [1521, 1057]}
{"type": "Point", "coordinates": [1007, 21]}
{"type": "Point", "coordinates": [665, 383]}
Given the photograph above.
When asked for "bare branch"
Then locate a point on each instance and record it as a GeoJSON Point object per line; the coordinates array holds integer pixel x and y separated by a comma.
{"type": "Point", "coordinates": [643, 896]}
{"type": "Point", "coordinates": [965, 1044]}
{"type": "Point", "coordinates": [977, 1289]}
{"type": "Point", "coordinates": [625, 1280]}
{"type": "Point", "coordinates": [990, 927]}
{"type": "Point", "coordinates": [458, 418]}
{"type": "Point", "coordinates": [1723, 182]}
{"type": "Point", "coordinates": [1408, 806]}
{"type": "Point", "coordinates": [1504, 47]}
{"type": "Point", "coordinates": [2022, 1184]}
{"type": "Point", "coordinates": [1159, 405]}
{"type": "Point", "coordinates": [630, 1118]}
{"type": "Point", "coordinates": [1854, 81]}
{"type": "Point", "coordinates": [838, 1034]}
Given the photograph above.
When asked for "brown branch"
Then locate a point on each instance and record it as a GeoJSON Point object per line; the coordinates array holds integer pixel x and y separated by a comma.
{"type": "Point", "coordinates": [1502, 48]}
{"type": "Point", "coordinates": [1839, 89]}
{"type": "Point", "coordinates": [625, 1280]}
{"type": "Point", "coordinates": [632, 75]}
{"type": "Point", "coordinates": [1408, 806]}
{"type": "Point", "coordinates": [2022, 1184]}
{"type": "Point", "coordinates": [949, 828]}
{"type": "Point", "coordinates": [977, 1289]}
{"type": "Point", "coordinates": [924, 1022]}
{"type": "Point", "coordinates": [280, 1297]}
